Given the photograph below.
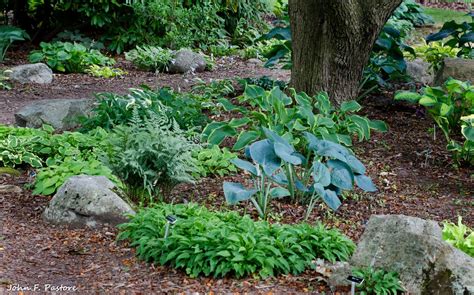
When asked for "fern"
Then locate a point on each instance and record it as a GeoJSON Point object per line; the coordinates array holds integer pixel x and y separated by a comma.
{"type": "Point", "coordinates": [152, 155]}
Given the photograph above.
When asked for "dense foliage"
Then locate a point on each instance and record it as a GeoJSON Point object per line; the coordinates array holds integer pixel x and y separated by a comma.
{"type": "Point", "coordinates": [8, 35]}
{"type": "Point", "coordinates": [451, 107]}
{"type": "Point", "coordinates": [290, 116]}
{"type": "Point", "coordinates": [151, 154]}
{"type": "Point", "coordinates": [278, 171]}
{"type": "Point", "coordinates": [460, 236]}
{"type": "Point", "coordinates": [69, 57]}
{"type": "Point", "coordinates": [378, 281]}
{"type": "Point", "coordinates": [150, 58]}
{"type": "Point", "coordinates": [220, 244]}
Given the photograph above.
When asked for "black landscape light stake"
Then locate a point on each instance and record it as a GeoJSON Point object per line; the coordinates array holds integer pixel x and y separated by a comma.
{"type": "Point", "coordinates": [170, 220]}
{"type": "Point", "coordinates": [354, 280]}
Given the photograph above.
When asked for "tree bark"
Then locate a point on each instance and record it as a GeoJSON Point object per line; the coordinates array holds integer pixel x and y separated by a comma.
{"type": "Point", "coordinates": [332, 41]}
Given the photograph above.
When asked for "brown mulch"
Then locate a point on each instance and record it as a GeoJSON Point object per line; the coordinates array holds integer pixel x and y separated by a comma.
{"type": "Point", "coordinates": [411, 167]}
{"type": "Point", "coordinates": [459, 6]}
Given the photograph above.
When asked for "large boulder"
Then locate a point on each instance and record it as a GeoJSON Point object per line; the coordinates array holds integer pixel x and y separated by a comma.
{"type": "Point", "coordinates": [62, 114]}
{"type": "Point", "coordinates": [420, 71]}
{"type": "Point", "coordinates": [87, 201]}
{"type": "Point", "coordinates": [32, 73]}
{"type": "Point", "coordinates": [186, 60]}
{"type": "Point", "coordinates": [457, 68]}
{"type": "Point", "coordinates": [414, 248]}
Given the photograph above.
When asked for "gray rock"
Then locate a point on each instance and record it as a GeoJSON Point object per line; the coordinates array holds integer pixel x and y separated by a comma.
{"type": "Point", "coordinates": [414, 248]}
{"type": "Point", "coordinates": [420, 71]}
{"type": "Point", "coordinates": [32, 73]}
{"type": "Point", "coordinates": [457, 68]}
{"type": "Point", "coordinates": [339, 272]}
{"type": "Point", "coordinates": [186, 60]}
{"type": "Point", "coordinates": [87, 201]}
{"type": "Point", "coordinates": [255, 61]}
{"type": "Point", "coordinates": [62, 114]}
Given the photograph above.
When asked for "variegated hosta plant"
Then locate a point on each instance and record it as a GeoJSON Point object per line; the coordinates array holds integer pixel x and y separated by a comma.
{"type": "Point", "coordinates": [278, 171]}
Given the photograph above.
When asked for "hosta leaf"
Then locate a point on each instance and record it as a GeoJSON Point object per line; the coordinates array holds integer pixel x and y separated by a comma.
{"type": "Point", "coordinates": [341, 174]}
{"type": "Point", "coordinates": [365, 183]}
{"type": "Point", "coordinates": [412, 97]}
{"type": "Point", "coordinates": [236, 192]}
{"type": "Point", "coordinates": [427, 101]}
{"type": "Point", "coordinates": [321, 174]}
{"type": "Point", "coordinates": [331, 199]}
{"type": "Point", "coordinates": [263, 153]}
{"type": "Point", "coordinates": [378, 125]}
{"type": "Point", "coordinates": [279, 192]}
{"type": "Point", "coordinates": [245, 165]}
{"type": "Point", "coordinates": [245, 138]}
{"type": "Point", "coordinates": [350, 106]}
{"type": "Point", "coordinates": [355, 164]}
{"type": "Point", "coordinates": [287, 153]}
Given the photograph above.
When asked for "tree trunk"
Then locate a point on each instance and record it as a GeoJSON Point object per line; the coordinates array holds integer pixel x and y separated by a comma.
{"type": "Point", "coordinates": [332, 41]}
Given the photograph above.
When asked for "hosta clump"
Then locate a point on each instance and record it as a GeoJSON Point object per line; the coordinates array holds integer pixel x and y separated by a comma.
{"type": "Point", "coordinates": [69, 57]}
{"type": "Point", "coordinates": [49, 179]}
{"type": "Point", "coordinates": [114, 109]}
{"type": "Point", "coordinates": [215, 161]}
{"type": "Point", "coordinates": [378, 281]}
{"type": "Point", "coordinates": [452, 108]}
{"type": "Point", "coordinates": [264, 82]}
{"type": "Point", "coordinates": [153, 155]}
{"type": "Point", "coordinates": [150, 58]}
{"type": "Point", "coordinates": [291, 116]}
{"type": "Point", "coordinates": [278, 171]}
{"type": "Point", "coordinates": [225, 244]}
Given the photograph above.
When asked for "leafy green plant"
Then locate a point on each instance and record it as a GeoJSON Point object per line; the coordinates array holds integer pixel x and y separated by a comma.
{"type": "Point", "coordinates": [8, 35]}
{"type": "Point", "coordinates": [150, 58]}
{"type": "Point", "coordinates": [412, 12]}
{"type": "Point", "coordinates": [378, 281]}
{"type": "Point", "coordinates": [152, 154]}
{"type": "Point", "coordinates": [445, 105]}
{"type": "Point", "coordinates": [460, 236]}
{"type": "Point", "coordinates": [460, 36]}
{"type": "Point", "coordinates": [264, 82]}
{"type": "Point", "coordinates": [226, 244]}
{"type": "Point", "coordinates": [14, 153]}
{"type": "Point", "coordinates": [105, 72]}
{"type": "Point", "coordinates": [115, 109]}
{"type": "Point", "coordinates": [215, 89]}
{"type": "Point", "coordinates": [69, 57]}
{"type": "Point", "coordinates": [49, 179]}
{"type": "Point", "coordinates": [328, 169]}
{"type": "Point", "coordinates": [4, 80]}
{"type": "Point", "coordinates": [435, 53]}
{"type": "Point", "coordinates": [290, 116]}
{"type": "Point", "coordinates": [215, 161]}
{"type": "Point", "coordinates": [464, 152]}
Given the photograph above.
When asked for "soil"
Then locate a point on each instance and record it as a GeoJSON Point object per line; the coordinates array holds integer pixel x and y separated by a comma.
{"type": "Point", "coordinates": [411, 167]}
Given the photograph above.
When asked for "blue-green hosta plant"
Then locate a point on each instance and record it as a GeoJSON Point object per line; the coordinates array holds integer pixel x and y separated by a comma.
{"type": "Point", "coordinates": [460, 236]}
{"type": "Point", "coordinates": [278, 171]}
{"type": "Point", "coordinates": [8, 35]}
{"type": "Point", "coordinates": [446, 105]}
{"type": "Point", "coordinates": [290, 117]}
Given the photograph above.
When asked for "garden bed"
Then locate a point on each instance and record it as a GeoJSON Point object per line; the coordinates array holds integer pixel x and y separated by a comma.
{"type": "Point", "coordinates": [412, 169]}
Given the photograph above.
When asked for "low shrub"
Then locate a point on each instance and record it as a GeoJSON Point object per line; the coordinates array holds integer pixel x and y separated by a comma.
{"type": "Point", "coordinates": [150, 58]}
{"type": "Point", "coordinates": [219, 244]}
{"type": "Point", "coordinates": [460, 236]}
{"type": "Point", "coordinates": [4, 85]}
{"type": "Point", "coordinates": [69, 57]}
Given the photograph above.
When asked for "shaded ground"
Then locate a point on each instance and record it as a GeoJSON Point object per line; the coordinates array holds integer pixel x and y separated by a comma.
{"type": "Point", "coordinates": [411, 168]}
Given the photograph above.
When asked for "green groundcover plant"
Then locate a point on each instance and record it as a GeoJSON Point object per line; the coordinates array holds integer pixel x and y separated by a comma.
{"type": "Point", "coordinates": [460, 236]}
{"type": "Point", "coordinates": [378, 281]}
{"type": "Point", "coordinates": [224, 243]}
{"type": "Point", "coordinates": [69, 57]}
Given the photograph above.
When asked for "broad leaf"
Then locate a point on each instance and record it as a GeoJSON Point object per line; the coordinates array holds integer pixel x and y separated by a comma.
{"type": "Point", "coordinates": [263, 153]}
{"type": "Point", "coordinates": [341, 174]}
{"type": "Point", "coordinates": [236, 192]}
{"type": "Point", "coordinates": [321, 174]}
{"type": "Point", "coordinates": [245, 165]}
{"type": "Point", "coordinates": [365, 183]}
